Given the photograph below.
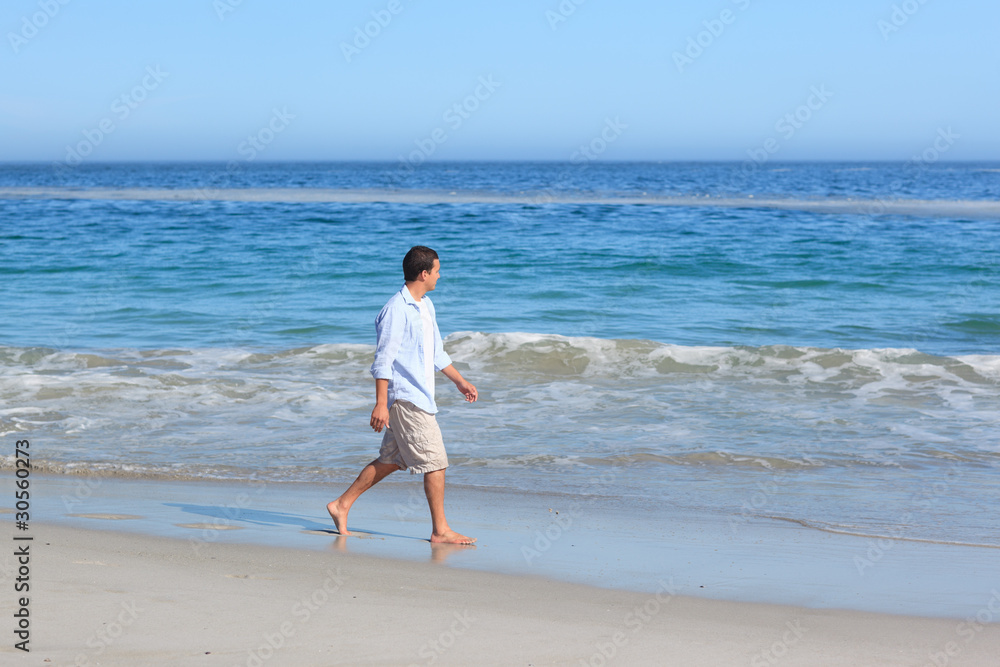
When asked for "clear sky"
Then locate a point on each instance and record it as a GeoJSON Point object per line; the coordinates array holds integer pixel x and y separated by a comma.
{"type": "Point", "coordinates": [656, 80]}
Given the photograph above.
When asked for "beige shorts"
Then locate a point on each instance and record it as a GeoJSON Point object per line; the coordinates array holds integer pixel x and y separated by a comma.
{"type": "Point", "coordinates": [412, 440]}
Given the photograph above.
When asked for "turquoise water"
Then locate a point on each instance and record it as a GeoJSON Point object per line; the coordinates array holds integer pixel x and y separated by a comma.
{"type": "Point", "coordinates": [839, 369]}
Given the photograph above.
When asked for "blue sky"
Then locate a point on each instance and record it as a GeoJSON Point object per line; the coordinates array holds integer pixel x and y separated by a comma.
{"type": "Point", "coordinates": [685, 80]}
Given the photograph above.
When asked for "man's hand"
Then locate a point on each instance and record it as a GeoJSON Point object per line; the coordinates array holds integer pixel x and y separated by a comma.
{"type": "Point", "coordinates": [380, 417]}
{"type": "Point", "coordinates": [468, 390]}
{"type": "Point", "coordinates": [464, 386]}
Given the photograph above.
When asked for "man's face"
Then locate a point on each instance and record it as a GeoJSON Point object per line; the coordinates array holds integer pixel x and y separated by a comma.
{"type": "Point", "coordinates": [431, 281]}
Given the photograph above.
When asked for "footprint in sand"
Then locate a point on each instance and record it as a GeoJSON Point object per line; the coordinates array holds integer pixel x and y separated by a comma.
{"type": "Point", "coordinates": [208, 526]}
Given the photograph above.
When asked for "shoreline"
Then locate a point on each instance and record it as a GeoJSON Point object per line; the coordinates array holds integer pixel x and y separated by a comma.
{"type": "Point", "coordinates": [971, 209]}
{"type": "Point", "coordinates": [585, 541]}
{"type": "Point", "coordinates": [152, 601]}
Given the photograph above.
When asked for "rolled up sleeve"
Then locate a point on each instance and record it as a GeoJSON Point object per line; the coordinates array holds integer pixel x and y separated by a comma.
{"type": "Point", "coordinates": [389, 327]}
{"type": "Point", "coordinates": [441, 358]}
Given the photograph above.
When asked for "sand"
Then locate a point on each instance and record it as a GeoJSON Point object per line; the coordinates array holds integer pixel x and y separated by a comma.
{"type": "Point", "coordinates": [966, 209]}
{"type": "Point", "coordinates": [102, 597]}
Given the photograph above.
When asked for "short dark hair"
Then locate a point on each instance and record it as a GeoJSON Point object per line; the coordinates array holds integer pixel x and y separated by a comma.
{"type": "Point", "coordinates": [420, 258]}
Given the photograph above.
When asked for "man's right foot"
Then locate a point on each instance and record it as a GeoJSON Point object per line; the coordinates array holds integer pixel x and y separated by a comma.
{"type": "Point", "coordinates": [339, 517]}
{"type": "Point", "coordinates": [451, 537]}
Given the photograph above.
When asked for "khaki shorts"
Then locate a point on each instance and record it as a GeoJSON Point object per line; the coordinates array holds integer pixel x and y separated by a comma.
{"type": "Point", "coordinates": [412, 440]}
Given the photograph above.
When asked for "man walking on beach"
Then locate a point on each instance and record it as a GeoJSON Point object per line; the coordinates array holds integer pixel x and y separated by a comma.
{"type": "Point", "coordinates": [407, 353]}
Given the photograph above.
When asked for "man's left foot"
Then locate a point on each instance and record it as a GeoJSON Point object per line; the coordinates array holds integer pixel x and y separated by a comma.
{"type": "Point", "coordinates": [339, 517]}
{"type": "Point", "coordinates": [451, 537]}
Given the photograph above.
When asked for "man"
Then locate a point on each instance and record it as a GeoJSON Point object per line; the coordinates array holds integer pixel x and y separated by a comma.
{"type": "Point", "coordinates": [407, 352]}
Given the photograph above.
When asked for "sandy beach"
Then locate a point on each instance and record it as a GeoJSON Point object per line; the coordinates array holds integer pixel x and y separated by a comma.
{"type": "Point", "coordinates": [110, 598]}
{"type": "Point", "coordinates": [679, 322]}
{"type": "Point", "coordinates": [114, 582]}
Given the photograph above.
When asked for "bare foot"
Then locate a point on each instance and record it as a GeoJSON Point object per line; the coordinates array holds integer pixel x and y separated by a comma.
{"type": "Point", "coordinates": [451, 537]}
{"type": "Point", "coordinates": [339, 517]}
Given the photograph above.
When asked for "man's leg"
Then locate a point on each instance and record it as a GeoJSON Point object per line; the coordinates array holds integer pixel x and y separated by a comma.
{"type": "Point", "coordinates": [434, 488]}
{"type": "Point", "coordinates": [372, 474]}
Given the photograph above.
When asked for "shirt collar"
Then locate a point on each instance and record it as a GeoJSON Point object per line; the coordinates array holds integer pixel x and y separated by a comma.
{"type": "Point", "coordinates": [408, 298]}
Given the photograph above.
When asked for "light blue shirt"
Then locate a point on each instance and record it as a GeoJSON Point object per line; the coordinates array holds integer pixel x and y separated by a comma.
{"type": "Point", "coordinates": [399, 350]}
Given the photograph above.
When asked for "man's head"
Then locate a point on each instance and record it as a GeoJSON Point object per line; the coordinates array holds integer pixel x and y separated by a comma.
{"type": "Point", "coordinates": [419, 259]}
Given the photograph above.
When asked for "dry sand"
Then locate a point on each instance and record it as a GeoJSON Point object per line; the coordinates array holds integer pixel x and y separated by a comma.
{"type": "Point", "coordinates": [109, 598]}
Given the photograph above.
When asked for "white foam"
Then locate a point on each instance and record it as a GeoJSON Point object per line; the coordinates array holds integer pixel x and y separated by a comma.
{"type": "Point", "coordinates": [986, 365]}
{"type": "Point", "coordinates": [570, 396]}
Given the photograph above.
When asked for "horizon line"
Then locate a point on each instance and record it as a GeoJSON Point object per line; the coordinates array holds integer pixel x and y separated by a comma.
{"type": "Point", "coordinates": [244, 162]}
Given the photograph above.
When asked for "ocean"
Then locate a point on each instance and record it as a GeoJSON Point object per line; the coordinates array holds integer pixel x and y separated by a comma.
{"type": "Point", "coordinates": [809, 342]}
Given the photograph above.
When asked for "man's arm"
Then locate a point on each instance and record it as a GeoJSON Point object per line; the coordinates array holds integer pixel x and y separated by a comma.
{"type": "Point", "coordinates": [464, 386]}
{"type": "Point", "coordinates": [441, 358]}
{"type": "Point", "coordinates": [380, 415]}
{"type": "Point", "coordinates": [389, 327]}
{"type": "Point", "coordinates": [389, 336]}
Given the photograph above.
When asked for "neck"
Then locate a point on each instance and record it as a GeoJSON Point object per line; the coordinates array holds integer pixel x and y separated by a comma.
{"type": "Point", "coordinates": [417, 290]}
